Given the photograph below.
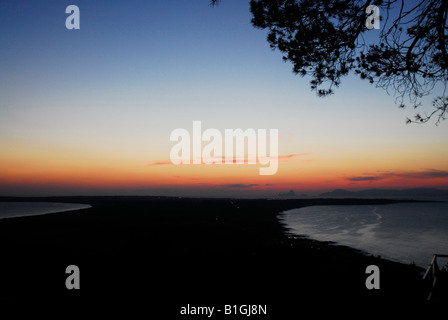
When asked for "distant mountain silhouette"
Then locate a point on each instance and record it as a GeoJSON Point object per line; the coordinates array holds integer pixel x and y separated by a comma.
{"type": "Point", "coordinates": [414, 193]}
{"type": "Point", "coordinates": [289, 194]}
{"type": "Point", "coordinates": [292, 194]}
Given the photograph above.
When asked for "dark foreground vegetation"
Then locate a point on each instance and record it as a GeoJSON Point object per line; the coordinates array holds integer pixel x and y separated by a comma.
{"type": "Point", "coordinates": [170, 252]}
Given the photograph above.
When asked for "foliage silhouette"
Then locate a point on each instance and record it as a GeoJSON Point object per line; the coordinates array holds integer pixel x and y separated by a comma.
{"type": "Point", "coordinates": [325, 40]}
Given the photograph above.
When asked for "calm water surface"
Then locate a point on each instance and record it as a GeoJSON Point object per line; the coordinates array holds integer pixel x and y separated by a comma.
{"type": "Point", "coordinates": [404, 232]}
{"type": "Point", "coordinates": [22, 209]}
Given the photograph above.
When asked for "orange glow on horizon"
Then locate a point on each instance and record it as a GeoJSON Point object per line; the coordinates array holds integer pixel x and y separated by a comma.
{"type": "Point", "coordinates": [37, 165]}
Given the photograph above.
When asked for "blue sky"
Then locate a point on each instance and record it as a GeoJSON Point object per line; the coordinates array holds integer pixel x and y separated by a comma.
{"type": "Point", "coordinates": [111, 93]}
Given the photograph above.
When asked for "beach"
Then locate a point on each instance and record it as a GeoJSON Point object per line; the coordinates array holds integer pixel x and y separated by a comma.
{"type": "Point", "coordinates": [173, 252]}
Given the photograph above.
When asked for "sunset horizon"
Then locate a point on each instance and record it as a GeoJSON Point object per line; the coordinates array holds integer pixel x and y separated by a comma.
{"type": "Point", "coordinates": [83, 115]}
{"type": "Point", "coordinates": [223, 158]}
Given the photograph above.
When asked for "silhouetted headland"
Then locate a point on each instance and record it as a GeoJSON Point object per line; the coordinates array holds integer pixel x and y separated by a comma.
{"type": "Point", "coordinates": [173, 251]}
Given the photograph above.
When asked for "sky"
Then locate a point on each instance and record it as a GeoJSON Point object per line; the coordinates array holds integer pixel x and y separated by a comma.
{"type": "Point", "coordinates": [90, 111]}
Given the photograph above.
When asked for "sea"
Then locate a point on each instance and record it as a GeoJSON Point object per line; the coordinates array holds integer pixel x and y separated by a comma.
{"type": "Point", "coordinates": [402, 232]}
{"type": "Point", "coordinates": [23, 209]}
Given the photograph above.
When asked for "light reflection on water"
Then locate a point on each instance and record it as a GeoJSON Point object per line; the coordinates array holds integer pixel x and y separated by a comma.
{"type": "Point", "coordinates": [404, 232]}
{"type": "Point", "coordinates": [22, 209]}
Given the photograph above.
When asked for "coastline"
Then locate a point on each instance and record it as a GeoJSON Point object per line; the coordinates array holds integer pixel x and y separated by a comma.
{"type": "Point", "coordinates": [185, 250]}
{"type": "Point", "coordinates": [57, 208]}
{"type": "Point", "coordinates": [409, 233]}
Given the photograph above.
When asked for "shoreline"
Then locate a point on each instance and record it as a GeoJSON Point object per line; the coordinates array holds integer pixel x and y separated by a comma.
{"type": "Point", "coordinates": [73, 207]}
{"type": "Point", "coordinates": [398, 244]}
{"type": "Point", "coordinates": [187, 250]}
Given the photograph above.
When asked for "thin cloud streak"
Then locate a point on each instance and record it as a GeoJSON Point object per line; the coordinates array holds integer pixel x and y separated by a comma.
{"type": "Point", "coordinates": [159, 163]}
{"type": "Point", "coordinates": [426, 174]}
{"type": "Point", "coordinates": [356, 179]}
{"type": "Point", "coordinates": [240, 185]}
{"type": "Point", "coordinates": [233, 160]}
